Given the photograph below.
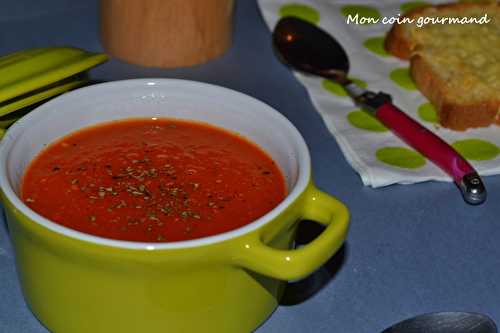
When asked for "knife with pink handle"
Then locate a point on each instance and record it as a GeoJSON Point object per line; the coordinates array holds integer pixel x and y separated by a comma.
{"type": "Point", "coordinates": [423, 140]}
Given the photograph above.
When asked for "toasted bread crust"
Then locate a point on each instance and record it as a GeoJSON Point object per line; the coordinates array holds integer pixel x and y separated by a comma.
{"type": "Point", "coordinates": [400, 43]}
{"type": "Point", "coordinates": [397, 44]}
{"type": "Point", "coordinates": [451, 115]}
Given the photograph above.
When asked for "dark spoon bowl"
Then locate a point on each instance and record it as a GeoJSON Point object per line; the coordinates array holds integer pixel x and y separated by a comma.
{"type": "Point", "coordinates": [309, 49]}
{"type": "Point", "coordinates": [445, 322]}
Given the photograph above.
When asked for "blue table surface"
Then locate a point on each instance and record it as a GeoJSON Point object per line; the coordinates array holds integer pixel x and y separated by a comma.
{"type": "Point", "coordinates": [411, 249]}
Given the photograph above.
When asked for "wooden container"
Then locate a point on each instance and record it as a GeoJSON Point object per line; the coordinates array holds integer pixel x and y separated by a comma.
{"type": "Point", "coordinates": [166, 33]}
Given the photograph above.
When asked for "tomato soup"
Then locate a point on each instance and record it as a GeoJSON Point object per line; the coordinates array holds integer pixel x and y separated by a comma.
{"type": "Point", "coordinates": [152, 180]}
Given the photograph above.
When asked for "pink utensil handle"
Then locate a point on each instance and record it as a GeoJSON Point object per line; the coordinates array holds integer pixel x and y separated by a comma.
{"type": "Point", "coordinates": [425, 142]}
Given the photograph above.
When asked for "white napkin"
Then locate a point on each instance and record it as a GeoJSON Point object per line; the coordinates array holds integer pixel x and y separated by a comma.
{"type": "Point", "coordinates": [376, 154]}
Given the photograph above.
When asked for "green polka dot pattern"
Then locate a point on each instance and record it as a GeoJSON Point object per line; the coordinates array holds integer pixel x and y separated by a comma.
{"type": "Point", "coordinates": [338, 90]}
{"type": "Point", "coordinates": [376, 45]}
{"type": "Point", "coordinates": [364, 13]}
{"type": "Point", "coordinates": [400, 157]}
{"type": "Point", "coordinates": [401, 76]}
{"type": "Point", "coordinates": [412, 5]}
{"type": "Point", "coordinates": [428, 113]}
{"type": "Point", "coordinates": [304, 12]}
{"type": "Point", "coordinates": [365, 121]}
{"type": "Point", "coordinates": [383, 157]}
{"type": "Point", "coordinates": [476, 149]}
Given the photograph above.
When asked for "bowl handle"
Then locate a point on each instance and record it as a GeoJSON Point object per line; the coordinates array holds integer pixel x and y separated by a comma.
{"type": "Point", "coordinates": [298, 263]}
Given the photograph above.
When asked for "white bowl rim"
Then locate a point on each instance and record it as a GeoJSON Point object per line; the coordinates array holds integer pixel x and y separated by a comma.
{"type": "Point", "coordinates": [19, 127]}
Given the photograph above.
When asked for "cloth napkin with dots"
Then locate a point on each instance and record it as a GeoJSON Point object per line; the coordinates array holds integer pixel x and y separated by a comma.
{"type": "Point", "coordinates": [373, 151]}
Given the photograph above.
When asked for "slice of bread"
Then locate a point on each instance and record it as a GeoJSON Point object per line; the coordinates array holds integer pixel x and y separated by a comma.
{"type": "Point", "coordinates": [456, 66]}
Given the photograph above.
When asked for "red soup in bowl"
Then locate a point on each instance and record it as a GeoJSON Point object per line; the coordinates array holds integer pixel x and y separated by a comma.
{"type": "Point", "coordinates": [153, 180]}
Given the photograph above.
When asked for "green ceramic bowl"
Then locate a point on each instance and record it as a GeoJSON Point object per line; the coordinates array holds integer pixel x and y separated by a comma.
{"type": "Point", "coordinates": [231, 282]}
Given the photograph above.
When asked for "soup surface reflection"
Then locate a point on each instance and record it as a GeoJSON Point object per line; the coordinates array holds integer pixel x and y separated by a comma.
{"type": "Point", "coordinates": [152, 180]}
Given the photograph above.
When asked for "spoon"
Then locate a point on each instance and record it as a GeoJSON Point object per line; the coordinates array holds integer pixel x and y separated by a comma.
{"type": "Point", "coordinates": [445, 322]}
{"type": "Point", "coordinates": [307, 48]}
